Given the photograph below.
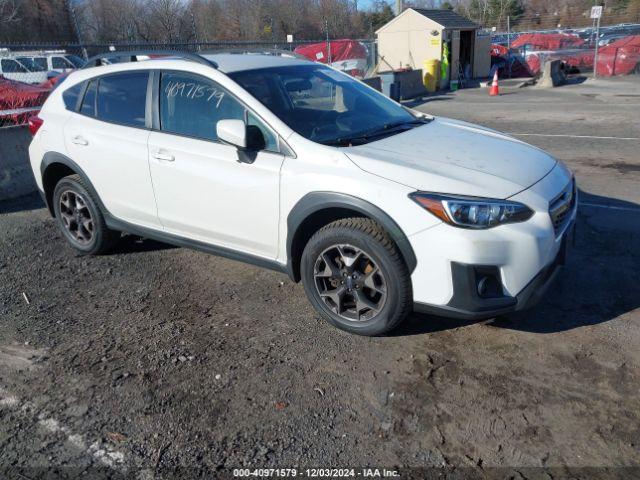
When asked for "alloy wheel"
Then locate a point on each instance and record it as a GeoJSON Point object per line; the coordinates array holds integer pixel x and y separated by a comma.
{"type": "Point", "coordinates": [76, 217]}
{"type": "Point", "coordinates": [350, 283]}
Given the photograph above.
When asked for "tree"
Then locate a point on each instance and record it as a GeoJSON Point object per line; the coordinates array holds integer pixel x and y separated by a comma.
{"type": "Point", "coordinates": [8, 12]}
{"type": "Point", "coordinates": [380, 15]}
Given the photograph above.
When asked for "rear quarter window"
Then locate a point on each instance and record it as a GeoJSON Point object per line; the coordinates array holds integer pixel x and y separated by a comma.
{"type": "Point", "coordinates": [70, 96]}
{"type": "Point", "coordinates": [88, 107]}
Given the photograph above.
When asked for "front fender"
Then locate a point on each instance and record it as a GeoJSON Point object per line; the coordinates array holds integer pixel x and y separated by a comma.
{"type": "Point", "coordinates": [316, 202]}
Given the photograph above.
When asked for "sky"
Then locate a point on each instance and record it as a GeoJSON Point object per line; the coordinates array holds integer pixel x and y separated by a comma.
{"type": "Point", "coordinates": [365, 4]}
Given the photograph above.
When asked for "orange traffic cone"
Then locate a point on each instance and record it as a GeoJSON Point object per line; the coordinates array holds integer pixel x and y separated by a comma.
{"type": "Point", "coordinates": [494, 90]}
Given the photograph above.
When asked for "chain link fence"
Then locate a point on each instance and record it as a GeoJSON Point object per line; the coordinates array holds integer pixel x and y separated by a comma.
{"type": "Point", "coordinates": [28, 72]}
{"type": "Point", "coordinates": [606, 52]}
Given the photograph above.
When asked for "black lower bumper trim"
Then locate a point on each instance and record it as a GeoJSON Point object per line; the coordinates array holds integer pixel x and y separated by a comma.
{"type": "Point", "coordinates": [527, 298]}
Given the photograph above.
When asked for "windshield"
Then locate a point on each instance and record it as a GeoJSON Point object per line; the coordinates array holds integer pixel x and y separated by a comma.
{"type": "Point", "coordinates": [324, 105]}
{"type": "Point", "coordinates": [30, 64]}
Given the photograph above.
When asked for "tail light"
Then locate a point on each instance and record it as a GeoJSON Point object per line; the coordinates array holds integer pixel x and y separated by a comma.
{"type": "Point", "coordinates": [35, 123]}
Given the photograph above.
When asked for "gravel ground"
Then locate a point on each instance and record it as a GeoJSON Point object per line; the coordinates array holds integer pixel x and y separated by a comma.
{"type": "Point", "coordinates": [156, 362]}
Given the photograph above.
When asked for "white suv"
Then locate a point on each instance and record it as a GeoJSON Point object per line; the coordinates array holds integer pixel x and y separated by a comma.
{"type": "Point", "coordinates": [294, 166]}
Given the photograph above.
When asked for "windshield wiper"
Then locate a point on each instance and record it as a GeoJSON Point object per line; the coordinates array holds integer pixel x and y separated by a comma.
{"type": "Point", "coordinates": [385, 129]}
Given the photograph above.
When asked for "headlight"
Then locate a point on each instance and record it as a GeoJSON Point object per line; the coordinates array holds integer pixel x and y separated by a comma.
{"type": "Point", "coordinates": [472, 212]}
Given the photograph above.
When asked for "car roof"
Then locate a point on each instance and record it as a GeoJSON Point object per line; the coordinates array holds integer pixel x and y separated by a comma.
{"type": "Point", "coordinates": [236, 62]}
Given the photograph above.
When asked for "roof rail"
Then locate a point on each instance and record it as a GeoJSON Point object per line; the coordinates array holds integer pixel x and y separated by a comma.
{"type": "Point", "coordinates": [259, 51]}
{"type": "Point", "coordinates": [132, 55]}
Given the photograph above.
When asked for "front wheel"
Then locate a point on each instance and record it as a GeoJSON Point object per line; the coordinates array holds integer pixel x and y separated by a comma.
{"type": "Point", "coordinates": [356, 278]}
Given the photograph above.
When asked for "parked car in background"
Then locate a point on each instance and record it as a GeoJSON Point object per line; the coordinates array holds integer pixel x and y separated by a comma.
{"type": "Point", "coordinates": [607, 39]}
{"type": "Point", "coordinates": [292, 165]}
{"type": "Point", "coordinates": [13, 69]}
{"type": "Point", "coordinates": [59, 62]}
{"type": "Point", "coordinates": [621, 57]}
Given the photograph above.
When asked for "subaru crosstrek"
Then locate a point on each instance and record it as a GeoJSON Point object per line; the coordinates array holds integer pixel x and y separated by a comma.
{"type": "Point", "coordinates": [288, 164]}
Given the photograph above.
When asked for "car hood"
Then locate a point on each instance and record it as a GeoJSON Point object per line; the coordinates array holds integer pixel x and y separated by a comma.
{"type": "Point", "coordinates": [449, 156]}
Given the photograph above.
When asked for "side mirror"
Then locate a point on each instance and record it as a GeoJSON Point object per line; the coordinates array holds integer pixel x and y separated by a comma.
{"type": "Point", "coordinates": [233, 132]}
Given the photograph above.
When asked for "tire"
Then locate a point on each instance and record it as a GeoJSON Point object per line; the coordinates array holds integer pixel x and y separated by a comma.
{"type": "Point", "coordinates": [80, 219]}
{"type": "Point", "coordinates": [377, 297]}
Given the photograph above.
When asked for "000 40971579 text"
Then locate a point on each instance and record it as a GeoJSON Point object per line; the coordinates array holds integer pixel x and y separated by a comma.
{"type": "Point", "coordinates": [316, 472]}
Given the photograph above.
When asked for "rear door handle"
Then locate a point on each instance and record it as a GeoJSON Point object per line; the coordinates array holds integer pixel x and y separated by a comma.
{"type": "Point", "coordinates": [79, 140]}
{"type": "Point", "coordinates": [164, 157]}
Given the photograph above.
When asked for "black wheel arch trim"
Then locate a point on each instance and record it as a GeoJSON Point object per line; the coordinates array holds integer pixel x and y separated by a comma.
{"type": "Point", "coordinates": [315, 202]}
{"type": "Point", "coordinates": [51, 158]}
{"type": "Point", "coordinates": [123, 226]}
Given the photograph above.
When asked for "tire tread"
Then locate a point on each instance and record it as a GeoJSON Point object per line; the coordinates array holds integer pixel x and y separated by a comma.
{"type": "Point", "coordinates": [375, 231]}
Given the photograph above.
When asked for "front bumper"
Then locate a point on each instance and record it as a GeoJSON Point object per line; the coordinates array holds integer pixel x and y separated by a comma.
{"type": "Point", "coordinates": [521, 259]}
{"type": "Point", "coordinates": [466, 303]}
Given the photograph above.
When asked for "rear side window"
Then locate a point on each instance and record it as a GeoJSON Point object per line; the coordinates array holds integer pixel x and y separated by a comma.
{"type": "Point", "coordinates": [41, 62]}
{"type": "Point", "coordinates": [122, 98]}
{"type": "Point", "coordinates": [70, 96]}
{"type": "Point", "coordinates": [59, 62]}
{"type": "Point", "coordinates": [191, 105]}
{"type": "Point", "coordinates": [89, 101]}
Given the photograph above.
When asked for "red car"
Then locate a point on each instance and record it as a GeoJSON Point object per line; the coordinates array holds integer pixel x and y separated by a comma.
{"type": "Point", "coordinates": [15, 96]}
{"type": "Point", "coordinates": [621, 57]}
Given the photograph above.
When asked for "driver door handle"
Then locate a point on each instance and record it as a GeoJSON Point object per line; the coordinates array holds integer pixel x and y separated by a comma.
{"type": "Point", "coordinates": [163, 157]}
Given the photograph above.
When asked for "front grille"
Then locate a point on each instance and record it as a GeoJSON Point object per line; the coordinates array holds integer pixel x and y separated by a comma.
{"type": "Point", "coordinates": [561, 207]}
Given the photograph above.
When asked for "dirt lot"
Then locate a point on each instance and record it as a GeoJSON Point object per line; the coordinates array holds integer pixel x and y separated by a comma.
{"type": "Point", "coordinates": [157, 361]}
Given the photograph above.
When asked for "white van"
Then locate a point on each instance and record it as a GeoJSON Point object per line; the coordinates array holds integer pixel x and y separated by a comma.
{"type": "Point", "coordinates": [59, 62]}
{"type": "Point", "coordinates": [13, 69]}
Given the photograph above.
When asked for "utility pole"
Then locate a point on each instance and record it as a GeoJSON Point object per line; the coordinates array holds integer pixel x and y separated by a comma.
{"type": "Point", "coordinates": [74, 21]}
{"type": "Point", "coordinates": [273, 34]}
{"type": "Point", "coordinates": [194, 29]}
{"type": "Point", "coordinates": [596, 13]}
{"type": "Point", "coordinates": [398, 7]}
{"type": "Point", "coordinates": [509, 44]}
{"type": "Point", "coordinates": [326, 27]}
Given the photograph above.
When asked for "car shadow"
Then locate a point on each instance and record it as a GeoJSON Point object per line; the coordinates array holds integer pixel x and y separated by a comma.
{"type": "Point", "coordinates": [135, 244]}
{"type": "Point", "coordinates": [600, 281]}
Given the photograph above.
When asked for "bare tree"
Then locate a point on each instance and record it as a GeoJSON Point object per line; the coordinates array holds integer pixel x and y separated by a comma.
{"type": "Point", "coordinates": [8, 12]}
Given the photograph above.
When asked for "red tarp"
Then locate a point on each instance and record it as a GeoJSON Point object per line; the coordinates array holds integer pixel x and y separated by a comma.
{"type": "Point", "coordinates": [621, 57]}
{"type": "Point", "coordinates": [580, 60]}
{"type": "Point", "coordinates": [15, 95]}
{"type": "Point", "coordinates": [547, 41]}
{"type": "Point", "coordinates": [347, 55]}
{"type": "Point", "coordinates": [534, 64]}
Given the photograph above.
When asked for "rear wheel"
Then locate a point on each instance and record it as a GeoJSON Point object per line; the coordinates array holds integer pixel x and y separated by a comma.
{"type": "Point", "coordinates": [80, 218]}
{"type": "Point", "coordinates": [355, 277]}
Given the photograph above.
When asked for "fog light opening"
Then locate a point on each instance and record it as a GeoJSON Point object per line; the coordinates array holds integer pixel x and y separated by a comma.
{"type": "Point", "coordinates": [489, 287]}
